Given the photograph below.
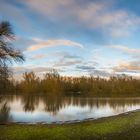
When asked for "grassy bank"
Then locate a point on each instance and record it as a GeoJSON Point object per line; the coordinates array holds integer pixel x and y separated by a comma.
{"type": "Point", "coordinates": [119, 127]}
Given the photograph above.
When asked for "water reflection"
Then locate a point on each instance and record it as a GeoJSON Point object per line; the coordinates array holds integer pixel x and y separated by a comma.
{"type": "Point", "coordinates": [4, 112]}
{"type": "Point", "coordinates": [29, 103]}
{"type": "Point", "coordinates": [50, 109]}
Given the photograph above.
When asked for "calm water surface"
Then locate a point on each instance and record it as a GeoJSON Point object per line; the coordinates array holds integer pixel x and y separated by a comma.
{"type": "Point", "coordinates": [34, 109]}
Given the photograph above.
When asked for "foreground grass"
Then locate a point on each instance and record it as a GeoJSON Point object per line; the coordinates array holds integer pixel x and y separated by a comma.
{"type": "Point", "coordinates": [121, 127]}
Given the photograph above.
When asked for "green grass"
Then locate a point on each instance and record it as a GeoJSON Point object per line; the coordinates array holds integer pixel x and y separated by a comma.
{"type": "Point", "coordinates": [121, 127]}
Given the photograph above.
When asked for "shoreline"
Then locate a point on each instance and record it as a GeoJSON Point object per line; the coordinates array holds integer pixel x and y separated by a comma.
{"type": "Point", "coordinates": [73, 121]}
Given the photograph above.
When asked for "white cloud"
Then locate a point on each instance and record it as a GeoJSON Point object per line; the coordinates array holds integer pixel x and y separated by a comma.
{"type": "Point", "coordinates": [53, 43]}
{"type": "Point", "coordinates": [93, 15]}
{"type": "Point", "coordinates": [125, 49]}
{"type": "Point", "coordinates": [38, 56]}
{"type": "Point", "coordinates": [132, 66]}
{"type": "Point", "coordinates": [117, 22]}
{"type": "Point", "coordinates": [67, 63]}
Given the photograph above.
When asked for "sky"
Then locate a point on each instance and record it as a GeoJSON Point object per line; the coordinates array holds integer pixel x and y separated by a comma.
{"type": "Point", "coordinates": [75, 37]}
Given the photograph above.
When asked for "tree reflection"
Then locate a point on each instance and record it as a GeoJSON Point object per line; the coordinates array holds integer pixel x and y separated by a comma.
{"type": "Point", "coordinates": [30, 103]}
{"type": "Point", "coordinates": [4, 113]}
{"type": "Point", "coordinates": [53, 104]}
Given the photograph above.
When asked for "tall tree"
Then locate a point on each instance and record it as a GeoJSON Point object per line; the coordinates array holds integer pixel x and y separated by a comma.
{"type": "Point", "coordinates": [8, 54]}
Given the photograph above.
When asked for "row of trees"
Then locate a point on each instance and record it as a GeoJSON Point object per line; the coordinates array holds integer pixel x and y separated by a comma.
{"type": "Point", "coordinates": [53, 84]}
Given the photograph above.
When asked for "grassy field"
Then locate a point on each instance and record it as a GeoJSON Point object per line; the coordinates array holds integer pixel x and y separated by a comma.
{"type": "Point", "coordinates": [121, 127]}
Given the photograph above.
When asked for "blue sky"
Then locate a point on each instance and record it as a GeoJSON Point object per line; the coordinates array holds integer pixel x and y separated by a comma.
{"type": "Point", "coordinates": [76, 37]}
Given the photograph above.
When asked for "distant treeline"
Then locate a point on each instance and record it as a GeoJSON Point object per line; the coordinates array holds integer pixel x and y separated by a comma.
{"type": "Point", "coordinates": [54, 84]}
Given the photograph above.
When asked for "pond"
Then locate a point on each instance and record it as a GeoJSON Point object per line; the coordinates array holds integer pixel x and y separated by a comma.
{"type": "Point", "coordinates": [43, 109]}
